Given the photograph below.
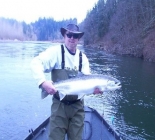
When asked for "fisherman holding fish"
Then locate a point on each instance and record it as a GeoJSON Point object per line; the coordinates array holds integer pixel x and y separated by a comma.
{"type": "Point", "coordinates": [63, 62]}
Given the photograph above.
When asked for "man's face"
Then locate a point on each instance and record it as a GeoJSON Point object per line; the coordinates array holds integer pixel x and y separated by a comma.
{"type": "Point", "coordinates": [71, 40]}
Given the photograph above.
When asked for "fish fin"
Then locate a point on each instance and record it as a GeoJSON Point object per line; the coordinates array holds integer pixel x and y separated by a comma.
{"type": "Point", "coordinates": [80, 74]}
{"type": "Point", "coordinates": [44, 94]}
{"type": "Point", "coordinates": [61, 95]}
{"type": "Point", "coordinates": [81, 96]}
{"type": "Point", "coordinates": [62, 91]}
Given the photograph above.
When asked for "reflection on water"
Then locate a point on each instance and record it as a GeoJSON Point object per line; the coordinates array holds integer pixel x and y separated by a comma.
{"type": "Point", "coordinates": [133, 106]}
{"type": "Point", "coordinates": [21, 107]}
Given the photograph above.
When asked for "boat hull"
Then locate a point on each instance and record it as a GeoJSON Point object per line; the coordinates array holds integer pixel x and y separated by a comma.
{"type": "Point", "coordinates": [95, 127]}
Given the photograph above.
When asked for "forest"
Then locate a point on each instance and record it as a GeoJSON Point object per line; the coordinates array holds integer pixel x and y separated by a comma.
{"type": "Point", "coordinates": [124, 27]}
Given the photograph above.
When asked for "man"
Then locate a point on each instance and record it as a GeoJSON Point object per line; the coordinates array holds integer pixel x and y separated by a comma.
{"type": "Point", "coordinates": [64, 61]}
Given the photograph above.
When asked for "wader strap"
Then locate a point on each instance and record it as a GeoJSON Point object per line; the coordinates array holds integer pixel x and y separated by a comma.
{"type": "Point", "coordinates": [63, 58]}
{"type": "Point", "coordinates": [80, 61]}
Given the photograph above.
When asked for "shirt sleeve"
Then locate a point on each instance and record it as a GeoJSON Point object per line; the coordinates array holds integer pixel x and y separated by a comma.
{"type": "Point", "coordinates": [85, 65]}
{"type": "Point", "coordinates": [43, 63]}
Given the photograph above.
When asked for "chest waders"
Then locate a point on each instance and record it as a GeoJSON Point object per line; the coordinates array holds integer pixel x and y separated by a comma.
{"type": "Point", "coordinates": [67, 115]}
{"type": "Point", "coordinates": [63, 74]}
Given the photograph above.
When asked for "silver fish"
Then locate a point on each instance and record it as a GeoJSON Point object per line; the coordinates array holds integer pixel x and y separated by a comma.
{"type": "Point", "coordinates": [85, 85]}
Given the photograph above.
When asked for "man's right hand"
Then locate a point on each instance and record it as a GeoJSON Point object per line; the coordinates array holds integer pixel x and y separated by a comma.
{"type": "Point", "coordinates": [49, 87]}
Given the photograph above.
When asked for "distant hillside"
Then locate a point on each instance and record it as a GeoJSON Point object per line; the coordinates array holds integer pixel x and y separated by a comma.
{"type": "Point", "coordinates": [125, 27]}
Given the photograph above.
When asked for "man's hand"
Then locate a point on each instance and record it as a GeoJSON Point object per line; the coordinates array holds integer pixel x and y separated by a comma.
{"type": "Point", "coordinates": [97, 91]}
{"type": "Point", "coordinates": [49, 87]}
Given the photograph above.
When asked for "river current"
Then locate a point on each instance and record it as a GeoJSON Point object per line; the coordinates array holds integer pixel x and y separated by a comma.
{"type": "Point", "coordinates": [21, 106]}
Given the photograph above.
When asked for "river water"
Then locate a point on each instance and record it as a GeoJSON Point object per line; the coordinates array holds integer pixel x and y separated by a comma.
{"type": "Point", "coordinates": [21, 106]}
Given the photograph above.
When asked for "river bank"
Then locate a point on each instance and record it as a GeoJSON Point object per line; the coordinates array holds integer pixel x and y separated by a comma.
{"type": "Point", "coordinates": [142, 51]}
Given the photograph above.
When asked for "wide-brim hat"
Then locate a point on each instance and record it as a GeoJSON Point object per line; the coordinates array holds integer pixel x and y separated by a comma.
{"type": "Point", "coordinates": [71, 28]}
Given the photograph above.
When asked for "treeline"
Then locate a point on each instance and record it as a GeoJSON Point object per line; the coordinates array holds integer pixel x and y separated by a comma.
{"type": "Point", "coordinates": [49, 29]}
{"type": "Point", "coordinates": [122, 27]}
{"type": "Point", "coordinates": [116, 26]}
{"type": "Point", "coordinates": [11, 29]}
{"type": "Point", "coordinates": [42, 30]}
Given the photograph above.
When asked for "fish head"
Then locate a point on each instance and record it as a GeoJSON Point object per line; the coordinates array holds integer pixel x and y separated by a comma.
{"type": "Point", "coordinates": [113, 85]}
{"type": "Point", "coordinates": [105, 83]}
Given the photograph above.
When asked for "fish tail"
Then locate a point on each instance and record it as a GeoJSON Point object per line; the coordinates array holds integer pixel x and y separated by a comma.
{"type": "Point", "coordinates": [43, 94]}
